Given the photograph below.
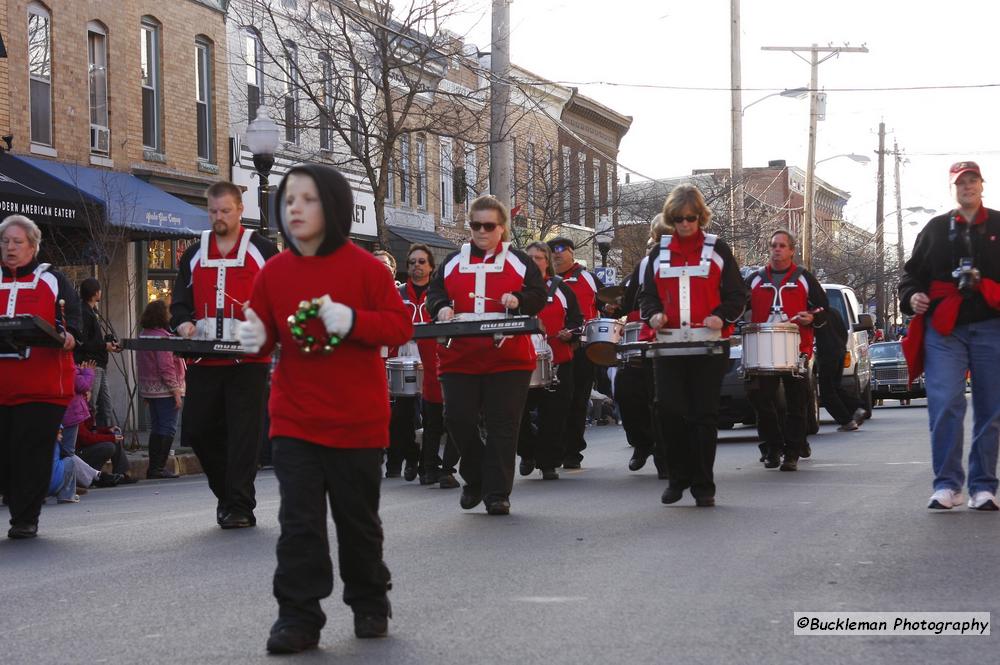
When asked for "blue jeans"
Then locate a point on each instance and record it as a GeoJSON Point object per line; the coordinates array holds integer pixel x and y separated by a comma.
{"type": "Point", "coordinates": [972, 347]}
{"type": "Point", "coordinates": [162, 416]}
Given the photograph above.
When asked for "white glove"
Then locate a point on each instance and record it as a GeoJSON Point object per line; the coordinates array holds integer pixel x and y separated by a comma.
{"type": "Point", "coordinates": [251, 333]}
{"type": "Point", "coordinates": [657, 321]}
{"type": "Point", "coordinates": [336, 317]}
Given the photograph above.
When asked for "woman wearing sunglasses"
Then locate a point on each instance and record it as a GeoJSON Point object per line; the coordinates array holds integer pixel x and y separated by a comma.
{"type": "Point", "coordinates": [483, 383]}
{"type": "Point", "coordinates": [710, 294]}
{"type": "Point", "coordinates": [543, 448]}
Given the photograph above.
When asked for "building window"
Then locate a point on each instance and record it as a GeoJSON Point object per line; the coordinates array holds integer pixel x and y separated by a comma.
{"type": "Point", "coordinates": [390, 183]}
{"type": "Point", "coordinates": [254, 56]}
{"type": "Point", "coordinates": [595, 175]}
{"type": "Point", "coordinates": [40, 73]}
{"type": "Point", "coordinates": [421, 188]}
{"type": "Point", "coordinates": [290, 4]}
{"type": "Point", "coordinates": [581, 185]}
{"type": "Point", "coordinates": [609, 194]}
{"type": "Point", "coordinates": [97, 74]}
{"type": "Point", "coordinates": [162, 262]}
{"type": "Point", "coordinates": [291, 94]}
{"type": "Point", "coordinates": [471, 177]}
{"type": "Point", "coordinates": [149, 43]}
{"type": "Point", "coordinates": [564, 182]}
{"type": "Point", "coordinates": [325, 130]}
{"type": "Point", "coordinates": [530, 178]}
{"type": "Point", "coordinates": [447, 182]}
{"type": "Point", "coordinates": [203, 97]}
{"type": "Point", "coordinates": [404, 169]}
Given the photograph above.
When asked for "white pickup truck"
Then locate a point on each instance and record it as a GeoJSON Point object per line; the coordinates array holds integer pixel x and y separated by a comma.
{"type": "Point", "coordinates": [858, 366]}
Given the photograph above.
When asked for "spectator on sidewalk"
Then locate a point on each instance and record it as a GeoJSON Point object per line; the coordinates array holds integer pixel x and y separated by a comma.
{"type": "Point", "coordinates": [161, 384]}
{"type": "Point", "coordinates": [97, 342]}
{"type": "Point", "coordinates": [831, 345]}
{"type": "Point", "coordinates": [99, 445]}
{"type": "Point", "coordinates": [78, 409]}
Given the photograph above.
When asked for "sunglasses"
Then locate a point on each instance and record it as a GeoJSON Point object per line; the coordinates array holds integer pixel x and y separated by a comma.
{"type": "Point", "coordinates": [560, 248]}
{"type": "Point", "coordinates": [489, 227]}
{"type": "Point", "coordinates": [416, 262]}
{"type": "Point", "coordinates": [684, 218]}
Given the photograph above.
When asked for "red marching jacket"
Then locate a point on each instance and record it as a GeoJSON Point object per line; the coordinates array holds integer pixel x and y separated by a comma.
{"type": "Point", "coordinates": [47, 373]}
{"type": "Point", "coordinates": [585, 286]}
{"type": "Point", "coordinates": [794, 293]}
{"type": "Point", "coordinates": [469, 273]}
{"type": "Point", "coordinates": [431, 389]}
{"type": "Point", "coordinates": [561, 313]}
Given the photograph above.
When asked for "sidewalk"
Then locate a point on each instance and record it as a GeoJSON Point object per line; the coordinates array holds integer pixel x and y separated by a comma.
{"type": "Point", "coordinates": [181, 461]}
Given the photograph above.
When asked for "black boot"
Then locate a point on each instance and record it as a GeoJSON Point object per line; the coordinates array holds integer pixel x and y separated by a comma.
{"type": "Point", "coordinates": [158, 456]}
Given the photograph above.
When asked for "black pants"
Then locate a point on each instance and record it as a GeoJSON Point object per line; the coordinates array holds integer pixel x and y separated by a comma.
{"type": "Point", "coordinates": [786, 437]}
{"type": "Point", "coordinates": [687, 405]}
{"type": "Point", "coordinates": [402, 434]}
{"type": "Point", "coordinates": [542, 439]}
{"type": "Point", "coordinates": [838, 402]}
{"type": "Point", "coordinates": [431, 458]}
{"type": "Point", "coordinates": [222, 420]}
{"type": "Point", "coordinates": [97, 454]}
{"type": "Point", "coordinates": [27, 438]}
{"type": "Point", "coordinates": [496, 401]}
{"type": "Point", "coordinates": [576, 424]}
{"type": "Point", "coordinates": [309, 476]}
{"type": "Point", "coordinates": [634, 391]}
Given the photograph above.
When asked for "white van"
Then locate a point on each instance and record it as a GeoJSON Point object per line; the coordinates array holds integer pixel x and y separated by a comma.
{"type": "Point", "coordinates": [857, 363]}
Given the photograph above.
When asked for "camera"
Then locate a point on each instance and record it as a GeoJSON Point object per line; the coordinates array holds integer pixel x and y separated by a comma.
{"type": "Point", "coordinates": [968, 276]}
{"type": "Point", "coordinates": [110, 338]}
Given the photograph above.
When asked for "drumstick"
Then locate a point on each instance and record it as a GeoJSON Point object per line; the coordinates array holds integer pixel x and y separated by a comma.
{"type": "Point", "coordinates": [810, 311]}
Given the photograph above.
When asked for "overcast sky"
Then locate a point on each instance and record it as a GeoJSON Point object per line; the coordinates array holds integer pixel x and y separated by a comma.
{"type": "Point", "coordinates": [685, 43]}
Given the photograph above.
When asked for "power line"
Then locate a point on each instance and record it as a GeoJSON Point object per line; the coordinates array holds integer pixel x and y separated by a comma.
{"type": "Point", "coordinates": [683, 88]}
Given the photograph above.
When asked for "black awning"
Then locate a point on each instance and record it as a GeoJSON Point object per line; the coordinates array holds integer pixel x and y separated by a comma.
{"type": "Point", "coordinates": [402, 237]}
{"type": "Point", "coordinates": [45, 199]}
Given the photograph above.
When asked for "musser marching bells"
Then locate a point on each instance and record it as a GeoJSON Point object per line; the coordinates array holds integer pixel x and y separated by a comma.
{"type": "Point", "coordinates": [19, 333]}
{"type": "Point", "coordinates": [183, 346]}
{"type": "Point", "coordinates": [511, 325]}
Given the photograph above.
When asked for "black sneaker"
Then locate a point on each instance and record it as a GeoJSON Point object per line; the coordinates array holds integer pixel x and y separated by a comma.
{"type": "Point", "coordinates": [106, 479]}
{"type": "Point", "coordinates": [470, 498]}
{"type": "Point", "coordinates": [498, 507]}
{"type": "Point", "coordinates": [571, 464]}
{"type": "Point", "coordinates": [23, 531]}
{"type": "Point", "coordinates": [367, 626]}
{"type": "Point", "coordinates": [671, 495]}
{"type": "Point", "coordinates": [638, 460]}
{"type": "Point", "coordinates": [527, 466]}
{"type": "Point", "coordinates": [392, 473]}
{"type": "Point", "coordinates": [432, 477]}
{"type": "Point", "coordinates": [448, 482]}
{"type": "Point", "coordinates": [292, 640]}
{"type": "Point", "coordinates": [772, 462]}
{"type": "Point", "coordinates": [550, 474]}
{"type": "Point", "coordinates": [704, 501]}
{"type": "Point", "coordinates": [238, 521]}
{"type": "Point", "coordinates": [410, 472]}
{"type": "Point", "coordinates": [806, 451]}
{"type": "Point", "coordinates": [790, 464]}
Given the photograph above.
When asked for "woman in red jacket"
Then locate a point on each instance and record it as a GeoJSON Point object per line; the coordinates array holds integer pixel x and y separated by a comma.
{"type": "Point", "coordinates": [329, 404]}
{"type": "Point", "coordinates": [541, 445]}
{"type": "Point", "coordinates": [35, 388]}
{"type": "Point", "coordinates": [692, 283]}
{"type": "Point", "coordinates": [483, 383]}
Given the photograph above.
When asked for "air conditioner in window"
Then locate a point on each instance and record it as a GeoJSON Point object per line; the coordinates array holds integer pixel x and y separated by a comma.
{"type": "Point", "coordinates": [100, 140]}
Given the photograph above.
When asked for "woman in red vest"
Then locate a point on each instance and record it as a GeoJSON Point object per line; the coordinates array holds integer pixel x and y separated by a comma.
{"type": "Point", "coordinates": [484, 383]}
{"type": "Point", "coordinates": [692, 282]}
{"type": "Point", "coordinates": [37, 385]}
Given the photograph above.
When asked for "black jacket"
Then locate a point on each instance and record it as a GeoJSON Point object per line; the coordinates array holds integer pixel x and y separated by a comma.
{"type": "Point", "coordinates": [92, 345]}
{"type": "Point", "coordinates": [937, 253]}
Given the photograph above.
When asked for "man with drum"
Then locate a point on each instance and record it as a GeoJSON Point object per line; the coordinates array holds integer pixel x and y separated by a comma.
{"type": "Point", "coordinates": [224, 409]}
{"type": "Point", "coordinates": [779, 292]}
{"type": "Point", "coordinates": [585, 285]}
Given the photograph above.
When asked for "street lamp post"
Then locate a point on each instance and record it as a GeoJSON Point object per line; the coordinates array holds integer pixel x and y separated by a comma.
{"type": "Point", "coordinates": [810, 200]}
{"type": "Point", "coordinates": [263, 138]}
{"type": "Point", "coordinates": [604, 239]}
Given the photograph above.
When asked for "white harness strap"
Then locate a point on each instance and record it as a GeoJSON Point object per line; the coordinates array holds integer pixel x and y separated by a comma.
{"type": "Point", "coordinates": [16, 286]}
{"type": "Point", "coordinates": [480, 270]}
{"type": "Point", "coordinates": [221, 323]}
{"type": "Point", "coordinates": [683, 274]}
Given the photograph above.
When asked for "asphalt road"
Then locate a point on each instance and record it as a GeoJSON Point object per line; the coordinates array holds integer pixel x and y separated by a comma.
{"type": "Point", "coordinates": [589, 569]}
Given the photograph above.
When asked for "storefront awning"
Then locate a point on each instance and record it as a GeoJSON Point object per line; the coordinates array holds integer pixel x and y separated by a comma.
{"type": "Point", "coordinates": [129, 202]}
{"type": "Point", "coordinates": [30, 191]}
{"type": "Point", "coordinates": [402, 237]}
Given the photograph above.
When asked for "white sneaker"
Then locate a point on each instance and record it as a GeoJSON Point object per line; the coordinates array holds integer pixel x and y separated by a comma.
{"type": "Point", "coordinates": [945, 500]}
{"type": "Point", "coordinates": [983, 501]}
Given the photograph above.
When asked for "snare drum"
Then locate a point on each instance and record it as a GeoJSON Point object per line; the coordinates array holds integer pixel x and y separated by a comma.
{"type": "Point", "coordinates": [770, 348]}
{"type": "Point", "coordinates": [600, 340]}
{"type": "Point", "coordinates": [406, 376]}
{"type": "Point", "coordinates": [630, 335]}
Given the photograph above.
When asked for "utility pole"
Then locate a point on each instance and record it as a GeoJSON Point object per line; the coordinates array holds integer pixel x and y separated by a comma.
{"type": "Point", "coordinates": [899, 224]}
{"type": "Point", "coordinates": [880, 231]}
{"type": "Point", "coordinates": [814, 61]}
{"type": "Point", "coordinates": [501, 158]}
{"type": "Point", "coordinates": [736, 205]}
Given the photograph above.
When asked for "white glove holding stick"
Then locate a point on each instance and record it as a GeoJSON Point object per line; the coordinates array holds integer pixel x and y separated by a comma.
{"type": "Point", "coordinates": [251, 333]}
{"type": "Point", "coordinates": [336, 317]}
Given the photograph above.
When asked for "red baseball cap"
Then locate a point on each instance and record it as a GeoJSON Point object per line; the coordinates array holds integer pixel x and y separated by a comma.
{"type": "Point", "coordinates": [958, 168]}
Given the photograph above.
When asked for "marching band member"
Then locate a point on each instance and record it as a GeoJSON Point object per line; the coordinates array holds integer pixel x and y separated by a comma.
{"type": "Point", "coordinates": [420, 265]}
{"type": "Point", "coordinates": [585, 285]}
{"type": "Point", "coordinates": [802, 301]}
{"type": "Point", "coordinates": [561, 316]}
{"type": "Point", "coordinates": [634, 386]}
{"type": "Point", "coordinates": [692, 282]}
{"type": "Point", "coordinates": [223, 414]}
{"type": "Point", "coordinates": [36, 389]}
{"type": "Point", "coordinates": [484, 383]}
{"type": "Point", "coordinates": [329, 405]}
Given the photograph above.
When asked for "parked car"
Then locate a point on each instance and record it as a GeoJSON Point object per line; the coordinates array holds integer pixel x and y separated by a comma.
{"type": "Point", "coordinates": [889, 373]}
{"type": "Point", "coordinates": [857, 364]}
